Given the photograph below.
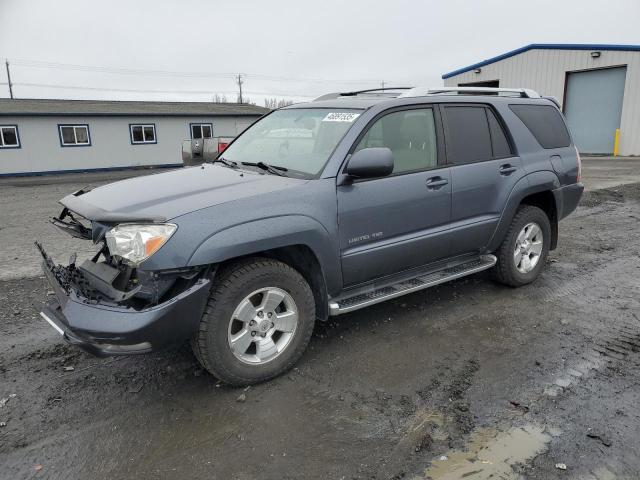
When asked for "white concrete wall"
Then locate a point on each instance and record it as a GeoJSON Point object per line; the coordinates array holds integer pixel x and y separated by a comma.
{"type": "Point", "coordinates": [110, 142]}
{"type": "Point", "coordinates": [545, 72]}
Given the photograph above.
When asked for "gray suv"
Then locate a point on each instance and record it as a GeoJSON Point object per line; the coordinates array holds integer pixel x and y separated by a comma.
{"type": "Point", "coordinates": [318, 209]}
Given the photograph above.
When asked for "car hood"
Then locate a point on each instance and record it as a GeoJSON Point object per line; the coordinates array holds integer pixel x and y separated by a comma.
{"type": "Point", "coordinates": [164, 196]}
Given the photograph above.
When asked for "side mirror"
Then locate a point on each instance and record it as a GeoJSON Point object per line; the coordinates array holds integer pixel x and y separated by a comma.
{"type": "Point", "coordinates": [370, 163]}
{"type": "Point", "coordinates": [197, 151]}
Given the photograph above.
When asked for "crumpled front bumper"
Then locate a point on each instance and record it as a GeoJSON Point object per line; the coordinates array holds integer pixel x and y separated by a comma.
{"type": "Point", "coordinates": [106, 330]}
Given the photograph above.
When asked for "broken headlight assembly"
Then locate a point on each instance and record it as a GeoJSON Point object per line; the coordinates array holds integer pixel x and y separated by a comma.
{"type": "Point", "coordinates": [134, 243]}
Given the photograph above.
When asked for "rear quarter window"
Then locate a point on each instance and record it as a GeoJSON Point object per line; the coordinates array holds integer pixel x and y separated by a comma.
{"type": "Point", "coordinates": [545, 123]}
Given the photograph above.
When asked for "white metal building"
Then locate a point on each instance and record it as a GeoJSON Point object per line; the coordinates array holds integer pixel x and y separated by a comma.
{"type": "Point", "coordinates": [53, 136]}
{"type": "Point", "coordinates": [598, 87]}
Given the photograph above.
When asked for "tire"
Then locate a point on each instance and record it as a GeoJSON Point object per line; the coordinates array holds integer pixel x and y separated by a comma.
{"type": "Point", "coordinates": [506, 270]}
{"type": "Point", "coordinates": [244, 290]}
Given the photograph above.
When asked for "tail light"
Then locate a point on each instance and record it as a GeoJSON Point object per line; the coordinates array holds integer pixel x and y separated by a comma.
{"type": "Point", "coordinates": [579, 166]}
{"type": "Point", "coordinates": [222, 146]}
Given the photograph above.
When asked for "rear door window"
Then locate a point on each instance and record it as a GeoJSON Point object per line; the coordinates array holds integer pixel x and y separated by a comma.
{"type": "Point", "coordinates": [545, 123]}
{"type": "Point", "coordinates": [499, 142]}
{"type": "Point", "coordinates": [468, 137]}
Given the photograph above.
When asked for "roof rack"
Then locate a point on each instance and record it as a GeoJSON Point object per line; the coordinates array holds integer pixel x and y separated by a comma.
{"type": "Point", "coordinates": [383, 91]}
{"type": "Point", "coordinates": [423, 91]}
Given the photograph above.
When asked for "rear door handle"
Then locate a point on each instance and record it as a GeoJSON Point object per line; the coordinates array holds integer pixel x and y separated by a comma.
{"type": "Point", "coordinates": [435, 183]}
{"type": "Point", "coordinates": [507, 169]}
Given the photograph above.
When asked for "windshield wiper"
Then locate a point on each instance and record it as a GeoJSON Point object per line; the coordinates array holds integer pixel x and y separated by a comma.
{"type": "Point", "coordinates": [224, 161]}
{"type": "Point", "coordinates": [275, 169]}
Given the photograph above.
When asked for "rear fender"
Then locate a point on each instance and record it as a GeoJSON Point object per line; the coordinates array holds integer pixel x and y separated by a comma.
{"type": "Point", "coordinates": [535, 182]}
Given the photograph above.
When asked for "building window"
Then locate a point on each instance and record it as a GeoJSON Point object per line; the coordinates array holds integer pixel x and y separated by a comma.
{"type": "Point", "coordinates": [9, 136]}
{"type": "Point", "coordinates": [74, 135]}
{"type": "Point", "coordinates": [142, 133]}
{"type": "Point", "coordinates": [201, 130]}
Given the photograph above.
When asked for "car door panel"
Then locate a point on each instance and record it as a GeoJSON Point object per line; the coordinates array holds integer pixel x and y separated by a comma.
{"type": "Point", "coordinates": [397, 222]}
{"type": "Point", "coordinates": [479, 193]}
{"type": "Point", "coordinates": [484, 171]}
{"type": "Point", "coordinates": [391, 224]}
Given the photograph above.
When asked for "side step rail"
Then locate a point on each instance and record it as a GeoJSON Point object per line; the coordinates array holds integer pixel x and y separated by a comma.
{"type": "Point", "coordinates": [361, 300]}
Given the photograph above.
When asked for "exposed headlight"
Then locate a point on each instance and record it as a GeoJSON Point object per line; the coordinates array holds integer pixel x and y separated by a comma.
{"type": "Point", "coordinates": [136, 243]}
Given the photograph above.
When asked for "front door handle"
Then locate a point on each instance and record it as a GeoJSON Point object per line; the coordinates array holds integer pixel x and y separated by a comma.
{"type": "Point", "coordinates": [507, 169]}
{"type": "Point", "coordinates": [435, 183]}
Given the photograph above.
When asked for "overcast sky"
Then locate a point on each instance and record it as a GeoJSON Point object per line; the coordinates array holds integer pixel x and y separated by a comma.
{"type": "Point", "coordinates": [190, 50]}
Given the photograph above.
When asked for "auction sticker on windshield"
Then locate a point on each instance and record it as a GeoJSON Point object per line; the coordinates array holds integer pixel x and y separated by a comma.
{"type": "Point", "coordinates": [340, 117]}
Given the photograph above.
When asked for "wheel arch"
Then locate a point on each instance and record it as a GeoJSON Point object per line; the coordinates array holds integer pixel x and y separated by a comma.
{"type": "Point", "coordinates": [303, 259]}
{"type": "Point", "coordinates": [300, 242]}
{"type": "Point", "coordinates": [546, 202]}
{"type": "Point", "coordinates": [535, 189]}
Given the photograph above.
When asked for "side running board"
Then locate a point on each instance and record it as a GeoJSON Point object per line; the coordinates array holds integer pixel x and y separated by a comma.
{"type": "Point", "coordinates": [376, 295]}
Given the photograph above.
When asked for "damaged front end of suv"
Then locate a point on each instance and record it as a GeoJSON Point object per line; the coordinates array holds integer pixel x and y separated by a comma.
{"type": "Point", "coordinates": [109, 304]}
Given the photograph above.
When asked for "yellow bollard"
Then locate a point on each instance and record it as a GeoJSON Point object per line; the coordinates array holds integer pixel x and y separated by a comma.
{"type": "Point", "coordinates": [616, 143]}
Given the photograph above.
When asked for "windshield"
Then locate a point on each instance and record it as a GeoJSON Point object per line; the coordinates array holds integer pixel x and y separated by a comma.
{"type": "Point", "coordinates": [298, 140]}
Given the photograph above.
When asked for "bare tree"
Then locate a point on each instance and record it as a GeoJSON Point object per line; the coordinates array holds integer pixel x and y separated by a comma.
{"type": "Point", "coordinates": [274, 103]}
{"type": "Point", "coordinates": [245, 100]}
{"type": "Point", "coordinates": [217, 98]}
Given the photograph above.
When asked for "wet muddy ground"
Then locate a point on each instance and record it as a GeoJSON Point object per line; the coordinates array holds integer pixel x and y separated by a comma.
{"type": "Point", "coordinates": [466, 380]}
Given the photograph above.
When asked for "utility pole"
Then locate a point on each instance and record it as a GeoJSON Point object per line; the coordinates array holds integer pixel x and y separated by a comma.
{"type": "Point", "coordinates": [240, 87]}
{"type": "Point", "coordinates": [382, 84]}
{"type": "Point", "coordinates": [6, 63]}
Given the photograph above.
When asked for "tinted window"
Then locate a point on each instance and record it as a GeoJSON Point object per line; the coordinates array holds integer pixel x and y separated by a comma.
{"type": "Point", "coordinates": [545, 123]}
{"type": "Point", "coordinates": [468, 138]}
{"type": "Point", "coordinates": [499, 141]}
{"type": "Point", "coordinates": [411, 136]}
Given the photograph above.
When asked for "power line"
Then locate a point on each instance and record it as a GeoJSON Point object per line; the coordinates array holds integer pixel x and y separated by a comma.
{"type": "Point", "coordinates": [170, 73]}
{"type": "Point", "coordinates": [135, 90]}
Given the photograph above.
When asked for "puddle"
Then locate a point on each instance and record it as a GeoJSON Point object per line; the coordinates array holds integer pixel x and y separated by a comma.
{"type": "Point", "coordinates": [490, 454]}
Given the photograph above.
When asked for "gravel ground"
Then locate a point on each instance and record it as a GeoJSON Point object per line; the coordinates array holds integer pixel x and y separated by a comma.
{"type": "Point", "coordinates": [466, 380]}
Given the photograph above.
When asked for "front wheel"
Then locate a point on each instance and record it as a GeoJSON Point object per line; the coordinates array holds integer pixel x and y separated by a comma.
{"type": "Point", "coordinates": [525, 247]}
{"type": "Point", "coordinates": [258, 322]}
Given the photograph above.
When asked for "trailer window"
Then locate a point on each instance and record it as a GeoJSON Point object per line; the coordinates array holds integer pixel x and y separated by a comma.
{"type": "Point", "coordinates": [74, 135]}
{"type": "Point", "coordinates": [9, 136]}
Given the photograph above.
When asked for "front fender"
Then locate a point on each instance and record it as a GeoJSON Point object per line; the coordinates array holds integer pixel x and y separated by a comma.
{"type": "Point", "coordinates": [269, 233]}
{"type": "Point", "coordinates": [535, 182]}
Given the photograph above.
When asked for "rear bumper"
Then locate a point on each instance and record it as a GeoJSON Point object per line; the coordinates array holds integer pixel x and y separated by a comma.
{"type": "Point", "coordinates": [106, 330]}
{"type": "Point", "coordinates": [567, 198]}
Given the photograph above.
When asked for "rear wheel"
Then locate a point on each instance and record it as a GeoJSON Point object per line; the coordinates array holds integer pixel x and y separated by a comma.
{"type": "Point", "coordinates": [258, 322]}
{"type": "Point", "coordinates": [524, 250]}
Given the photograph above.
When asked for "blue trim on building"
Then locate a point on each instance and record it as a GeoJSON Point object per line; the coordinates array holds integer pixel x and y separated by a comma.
{"type": "Point", "coordinates": [17, 138]}
{"type": "Point", "coordinates": [544, 46]}
{"type": "Point", "coordinates": [72, 145]}
{"type": "Point", "coordinates": [155, 133]}
{"type": "Point", "coordinates": [90, 170]}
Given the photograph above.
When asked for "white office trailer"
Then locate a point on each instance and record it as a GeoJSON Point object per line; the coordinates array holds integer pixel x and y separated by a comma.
{"type": "Point", "coordinates": [598, 87]}
{"type": "Point", "coordinates": [56, 136]}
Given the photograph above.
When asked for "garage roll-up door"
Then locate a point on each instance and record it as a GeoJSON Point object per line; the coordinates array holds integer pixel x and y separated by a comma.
{"type": "Point", "coordinates": [593, 106]}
